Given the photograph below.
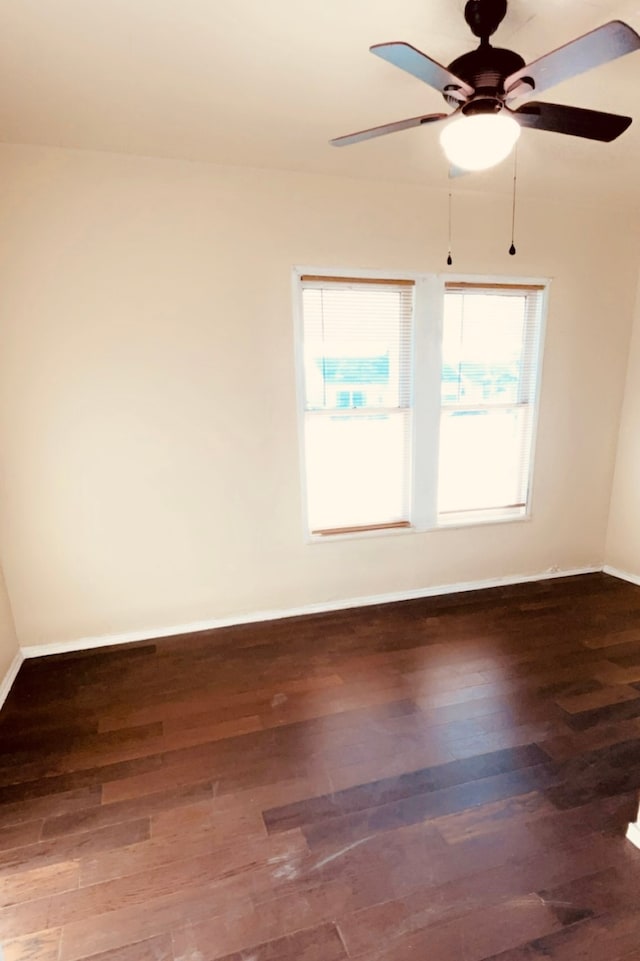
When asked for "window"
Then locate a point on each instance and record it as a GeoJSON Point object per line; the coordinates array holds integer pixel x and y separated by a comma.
{"type": "Point", "coordinates": [419, 400]}
{"type": "Point", "coordinates": [490, 342]}
{"type": "Point", "coordinates": [357, 414]}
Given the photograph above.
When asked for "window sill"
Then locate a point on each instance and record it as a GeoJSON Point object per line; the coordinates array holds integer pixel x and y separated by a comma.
{"type": "Point", "coordinates": [361, 535]}
{"type": "Point", "coordinates": [477, 520]}
{"type": "Point", "coordinates": [480, 518]}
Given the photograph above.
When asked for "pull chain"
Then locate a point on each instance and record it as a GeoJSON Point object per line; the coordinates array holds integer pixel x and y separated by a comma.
{"type": "Point", "coordinates": [449, 259]}
{"type": "Point", "coordinates": [512, 248]}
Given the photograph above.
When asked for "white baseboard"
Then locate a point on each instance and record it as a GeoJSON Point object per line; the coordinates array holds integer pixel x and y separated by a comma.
{"type": "Point", "coordinates": [152, 633]}
{"type": "Point", "coordinates": [10, 676]}
{"type": "Point", "coordinates": [633, 833]}
{"type": "Point", "coordinates": [623, 575]}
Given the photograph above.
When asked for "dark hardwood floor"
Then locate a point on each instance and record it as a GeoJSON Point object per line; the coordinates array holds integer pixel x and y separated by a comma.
{"type": "Point", "coordinates": [438, 780]}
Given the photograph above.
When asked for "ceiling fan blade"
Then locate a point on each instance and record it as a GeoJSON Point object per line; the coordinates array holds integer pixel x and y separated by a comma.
{"type": "Point", "coordinates": [592, 124]}
{"type": "Point", "coordinates": [605, 43]}
{"type": "Point", "coordinates": [387, 128]}
{"type": "Point", "coordinates": [419, 65]}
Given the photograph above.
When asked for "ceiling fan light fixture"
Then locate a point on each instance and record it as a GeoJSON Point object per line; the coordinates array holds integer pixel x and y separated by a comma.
{"type": "Point", "coordinates": [480, 141]}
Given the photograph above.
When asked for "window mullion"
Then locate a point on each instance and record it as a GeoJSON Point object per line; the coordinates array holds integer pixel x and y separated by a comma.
{"type": "Point", "coordinates": [427, 368]}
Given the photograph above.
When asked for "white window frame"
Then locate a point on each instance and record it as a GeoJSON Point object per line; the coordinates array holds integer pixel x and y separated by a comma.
{"type": "Point", "coordinates": [425, 400]}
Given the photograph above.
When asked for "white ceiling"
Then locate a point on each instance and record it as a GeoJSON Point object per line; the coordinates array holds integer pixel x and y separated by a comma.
{"type": "Point", "coordinates": [268, 83]}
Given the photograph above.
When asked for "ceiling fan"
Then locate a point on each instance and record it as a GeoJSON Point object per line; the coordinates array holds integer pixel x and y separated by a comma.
{"type": "Point", "coordinates": [482, 84]}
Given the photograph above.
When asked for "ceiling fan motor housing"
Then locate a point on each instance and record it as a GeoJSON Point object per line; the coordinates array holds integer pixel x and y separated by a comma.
{"type": "Point", "coordinates": [484, 69]}
{"type": "Point", "coordinates": [485, 16]}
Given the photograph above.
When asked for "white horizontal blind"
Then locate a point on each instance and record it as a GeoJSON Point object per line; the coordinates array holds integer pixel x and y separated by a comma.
{"type": "Point", "coordinates": [357, 337]}
{"type": "Point", "coordinates": [490, 347]}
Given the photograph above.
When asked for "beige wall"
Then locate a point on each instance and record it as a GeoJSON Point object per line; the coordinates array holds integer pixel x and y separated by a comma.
{"type": "Point", "coordinates": [147, 395]}
{"type": "Point", "coordinates": [623, 539]}
{"type": "Point", "coordinates": [8, 640]}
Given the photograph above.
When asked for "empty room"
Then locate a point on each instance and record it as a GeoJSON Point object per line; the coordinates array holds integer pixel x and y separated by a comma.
{"type": "Point", "coordinates": [319, 481]}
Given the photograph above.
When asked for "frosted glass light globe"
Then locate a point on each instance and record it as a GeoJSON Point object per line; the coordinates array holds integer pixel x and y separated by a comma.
{"type": "Point", "coordinates": [480, 141]}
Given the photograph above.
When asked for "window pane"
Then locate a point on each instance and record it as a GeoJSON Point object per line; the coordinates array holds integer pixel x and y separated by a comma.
{"type": "Point", "coordinates": [482, 348]}
{"type": "Point", "coordinates": [484, 458]}
{"type": "Point", "coordinates": [356, 347]}
{"type": "Point", "coordinates": [489, 377]}
{"type": "Point", "coordinates": [357, 469]}
{"type": "Point", "coordinates": [357, 370]}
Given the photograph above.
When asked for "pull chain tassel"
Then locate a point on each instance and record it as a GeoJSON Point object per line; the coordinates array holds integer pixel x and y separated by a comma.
{"type": "Point", "coordinates": [449, 258]}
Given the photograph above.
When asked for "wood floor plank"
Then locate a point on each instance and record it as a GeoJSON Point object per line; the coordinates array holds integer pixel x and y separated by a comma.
{"type": "Point", "coordinates": [604, 938]}
{"type": "Point", "coordinates": [419, 807]}
{"type": "Point", "coordinates": [220, 936]}
{"type": "Point", "coordinates": [42, 946]}
{"type": "Point", "coordinates": [106, 814]}
{"type": "Point", "coordinates": [153, 949]}
{"type": "Point", "coordinates": [518, 735]}
{"type": "Point", "coordinates": [315, 944]}
{"type": "Point", "coordinates": [18, 835]}
{"type": "Point", "coordinates": [380, 793]}
{"type": "Point", "coordinates": [608, 713]}
{"type": "Point", "coordinates": [52, 805]}
{"type": "Point", "coordinates": [163, 851]}
{"type": "Point", "coordinates": [147, 887]}
{"type": "Point", "coordinates": [600, 773]}
{"type": "Point", "coordinates": [562, 747]}
{"type": "Point", "coordinates": [592, 700]}
{"type": "Point", "coordinates": [36, 883]}
{"type": "Point", "coordinates": [514, 880]}
{"type": "Point", "coordinates": [492, 817]}
{"type": "Point", "coordinates": [473, 936]}
{"type": "Point", "coordinates": [44, 785]}
{"type": "Point", "coordinates": [72, 846]}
